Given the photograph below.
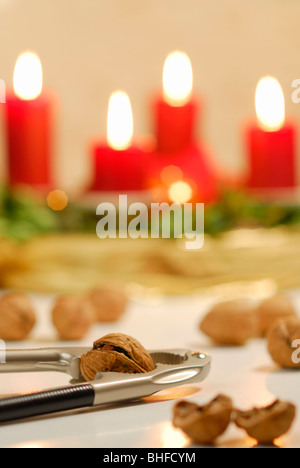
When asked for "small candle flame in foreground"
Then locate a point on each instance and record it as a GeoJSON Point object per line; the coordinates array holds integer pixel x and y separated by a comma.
{"type": "Point", "coordinates": [270, 104]}
{"type": "Point", "coordinates": [180, 192]}
{"type": "Point", "coordinates": [177, 79]}
{"type": "Point", "coordinates": [119, 121]}
{"type": "Point", "coordinates": [170, 437]}
{"type": "Point", "coordinates": [57, 200]}
{"type": "Point", "coordinates": [28, 77]}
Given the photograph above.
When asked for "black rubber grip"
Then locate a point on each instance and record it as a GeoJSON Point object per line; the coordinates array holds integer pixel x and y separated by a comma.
{"type": "Point", "coordinates": [49, 401]}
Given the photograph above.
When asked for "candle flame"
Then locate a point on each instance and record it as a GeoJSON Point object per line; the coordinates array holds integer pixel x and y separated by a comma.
{"type": "Point", "coordinates": [177, 79]}
{"type": "Point", "coordinates": [28, 77]}
{"type": "Point", "coordinates": [119, 121]}
{"type": "Point", "coordinates": [180, 192]}
{"type": "Point", "coordinates": [270, 104]}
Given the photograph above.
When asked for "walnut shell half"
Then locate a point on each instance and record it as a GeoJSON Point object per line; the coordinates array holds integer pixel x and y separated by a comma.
{"type": "Point", "coordinates": [116, 353]}
{"type": "Point", "coordinates": [267, 424]}
{"type": "Point", "coordinates": [203, 424]}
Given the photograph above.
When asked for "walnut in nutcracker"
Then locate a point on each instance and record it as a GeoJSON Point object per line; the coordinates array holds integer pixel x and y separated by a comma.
{"type": "Point", "coordinates": [109, 303]}
{"type": "Point", "coordinates": [17, 316]}
{"type": "Point", "coordinates": [203, 424]}
{"type": "Point", "coordinates": [116, 352]}
{"type": "Point", "coordinates": [231, 322]}
{"type": "Point", "coordinates": [72, 317]}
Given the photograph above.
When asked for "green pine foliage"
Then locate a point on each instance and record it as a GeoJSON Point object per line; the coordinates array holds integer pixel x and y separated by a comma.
{"type": "Point", "coordinates": [23, 215]}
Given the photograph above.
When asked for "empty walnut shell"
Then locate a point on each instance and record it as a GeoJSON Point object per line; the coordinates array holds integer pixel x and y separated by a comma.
{"type": "Point", "coordinates": [231, 322]}
{"type": "Point", "coordinates": [17, 316]}
{"type": "Point", "coordinates": [267, 424]}
{"type": "Point", "coordinates": [116, 353]}
{"type": "Point", "coordinates": [109, 303]}
{"type": "Point", "coordinates": [203, 424]}
{"type": "Point", "coordinates": [72, 317]}
{"type": "Point", "coordinates": [273, 309]}
{"type": "Point", "coordinates": [280, 340]}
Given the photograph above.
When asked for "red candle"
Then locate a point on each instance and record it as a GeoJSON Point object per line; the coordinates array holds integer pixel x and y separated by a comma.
{"type": "Point", "coordinates": [118, 171]}
{"type": "Point", "coordinates": [190, 166]}
{"type": "Point", "coordinates": [28, 122]}
{"type": "Point", "coordinates": [271, 143]}
{"type": "Point", "coordinates": [119, 165]}
{"type": "Point", "coordinates": [176, 113]}
{"type": "Point", "coordinates": [175, 126]}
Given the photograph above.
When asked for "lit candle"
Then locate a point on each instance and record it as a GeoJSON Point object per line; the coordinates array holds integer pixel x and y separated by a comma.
{"type": "Point", "coordinates": [119, 164]}
{"type": "Point", "coordinates": [176, 115]}
{"type": "Point", "coordinates": [177, 110]}
{"type": "Point", "coordinates": [29, 125]}
{"type": "Point", "coordinates": [271, 142]}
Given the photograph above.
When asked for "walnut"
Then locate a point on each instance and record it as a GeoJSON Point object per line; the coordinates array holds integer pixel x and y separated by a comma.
{"type": "Point", "coordinates": [267, 424]}
{"type": "Point", "coordinates": [109, 303]}
{"type": "Point", "coordinates": [17, 316]}
{"type": "Point", "coordinates": [273, 309]}
{"type": "Point", "coordinates": [116, 353]}
{"type": "Point", "coordinates": [280, 339]}
{"type": "Point", "coordinates": [203, 424]}
{"type": "Point", "coordinates": [72, 317]}
{"type": "Point", "coordinates": [231, 322]}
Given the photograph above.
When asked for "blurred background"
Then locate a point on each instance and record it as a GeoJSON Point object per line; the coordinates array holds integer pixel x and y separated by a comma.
{"type": "Point", "coordinates": [90, 48]}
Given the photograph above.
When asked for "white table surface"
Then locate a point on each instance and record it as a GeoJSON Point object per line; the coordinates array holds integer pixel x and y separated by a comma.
{"type": "Point", "coordinates": [246, 374]}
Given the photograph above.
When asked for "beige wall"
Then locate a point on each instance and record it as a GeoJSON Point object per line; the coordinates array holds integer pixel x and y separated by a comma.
{"type": "Point", "coordinates": [91, 47]}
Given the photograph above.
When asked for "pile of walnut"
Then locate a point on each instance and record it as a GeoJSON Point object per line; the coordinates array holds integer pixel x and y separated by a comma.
{"type": "Point", "coordinates": [205, 424]}
{"type": "Point", "coordinates": [72, 316]}
{"type": "Point", "coordinates": [235, 322]}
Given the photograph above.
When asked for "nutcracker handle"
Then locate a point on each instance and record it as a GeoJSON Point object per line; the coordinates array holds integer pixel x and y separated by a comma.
{"type": "Point", "coordinates": [64, 360]}
{"type": "Point", "coordinates": [46, 402]}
